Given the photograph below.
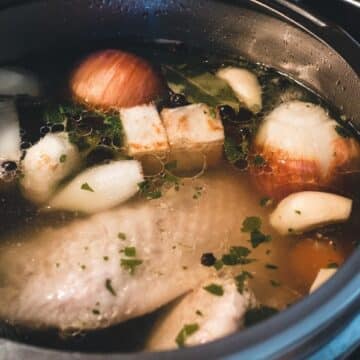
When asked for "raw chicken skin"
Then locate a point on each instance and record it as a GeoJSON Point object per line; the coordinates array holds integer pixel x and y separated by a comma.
{"type": "Point", "coordinates": [56, 277]}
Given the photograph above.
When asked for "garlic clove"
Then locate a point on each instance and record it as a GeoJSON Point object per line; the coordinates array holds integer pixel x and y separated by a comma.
{"type": "Point", "coordinates": [113, 79]}
{"type": "Point", "coordinates": [322, 277]}
{"type": "Point", "coordinates": [245, 85]}
{"type": "Point", "coordinates": [100, 187]}
{"type": "Point", "coordinates": [307, 210]}
{"type": "Point", "coordinates": [302, 150]}
{"type": "Point", "coordinates": [46, 163]}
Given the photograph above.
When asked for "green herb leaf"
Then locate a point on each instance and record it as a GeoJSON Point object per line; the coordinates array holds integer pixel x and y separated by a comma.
{"type": "Point", "coordinates": [233, 151]}
{"type": "Point", "coordinates": [218, 264]}
{"type": "Point", "coordinates": [214, 289]}
{"type": "Point", "coordinates": [256, 315]}
{"type": "Point", "coordinates": [96, 312]}
{"type": "Point", "coordinates": [130, 251]}
{"type": "Point", "coordinates": [333, 265]}
{"type": "Point", "coordinates": [185, 332]}
{"type": "Point", "coordinates": [109, 287]}
{"type": "Point", "coordinates": [198, 312]}
{"type": "Point", "coordinates": [87, 187]}
{"type": "Point", "coordinates": [147, 189]}
{"type": "Point", "coordinates": [237, 256]}
{"type": "Point", "coordinates": [259, 160]}
{"type": "Point", "coordinates": [200, 87]}
{"type": "Point", "coordinates": [130, 264]}
{"type": "Point", "coordinates": [63, 158]}
{"type": "Point", "coordinates": [240, 280]}
{"type": "Point", "coordinates": [271, 266]}
{"type": "Point", "coordinates": [122, 236]}
{"type": "Point", "coordinates": [257, 238]}
{"type": "Point", "coordinates": [275, 283]}
{"type": "Point", "coordinates": [251, 223]}
{"type": "Point", "coordinates": [298, 212]}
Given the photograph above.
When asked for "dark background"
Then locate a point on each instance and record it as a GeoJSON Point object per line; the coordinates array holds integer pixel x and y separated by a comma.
{"type": "Point", "coordinates": [339, 11]}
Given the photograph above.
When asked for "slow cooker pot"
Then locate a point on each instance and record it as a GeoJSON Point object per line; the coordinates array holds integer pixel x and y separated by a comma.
{"type": "Point", "coordinates": [276, 33]}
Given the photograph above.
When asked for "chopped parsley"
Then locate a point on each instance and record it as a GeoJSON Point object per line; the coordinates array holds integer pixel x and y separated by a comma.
{"type": "Point", "coordinates": [106, 258]}
{"type": "Point", "coordinates": [96, 312]}
{"type": "Point", "coordinates": [146, 189]}
{"type": "Point", "coordinates": [275, 283]}
{"type": "Point", "coordinates": [251, 223]}
{"type": "Point", "coordinates": [214, 289]}
{"type": "Point", "coordinates": [198, 312]}
{"type": "Point", "coordinates": [185, 332]}
{"type": "Point", "coordinates": [218, 264]}
{"type": "Point", "coordinates": [87, 187]}
{"type": "Point", "coordinates": [238, 255]}
{"type": "Point", "coordinates": [130, 264]}
{"type": "Point", "coordinates": [83, 267]}
{"type": "Point", "coordinates": [298, 212]}
{"type": "Point", "coordinates": [233, 152]}
{"type": "Point", "coordinates": [129, 251]}
{"type": "Point", "coordinates": [63, 158]}
{"type": "Point", "coordinates": [121, 236]}
{"type": "Point", "coordinates": [271, 266]}
{"type": "Point", "coordinates": [240, 280]}
{"type": "Point", "coordinates": [259, 160]}
{"type": "Point", "coordinates": [333, 265]}
{"type": "Point", "coordinates": [257, 238]}
{"type": "Point", "coordinates": [109, 287]}
{"type": "Point", "coordinates": [256, 315]}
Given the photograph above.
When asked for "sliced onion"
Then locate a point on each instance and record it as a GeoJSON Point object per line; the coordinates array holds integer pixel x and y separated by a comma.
{"type": "Point", "coordinates": [302, 151]}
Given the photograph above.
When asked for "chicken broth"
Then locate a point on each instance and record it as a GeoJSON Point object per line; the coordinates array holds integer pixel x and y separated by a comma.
{"type": "Point", "coordinates": [136, 196]}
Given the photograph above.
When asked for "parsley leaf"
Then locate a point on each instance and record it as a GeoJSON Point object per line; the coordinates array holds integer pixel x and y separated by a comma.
{"type": "Point", "coordinates": [130, 264]}
{"type": "Point", "coordinates": [109, 287]}
{"type": "Point", "coordinates": [257, 238]}
{"type": "Point", "coordinates": [240, 280]}
{"type": "Point", "coordinates": [251, 223]}
{"type": "Point", "coordinates": [214, 289]}
{"type": "Point", "coordinates": [87, 187]}
{"type": "Point", "coordinates": [130, 251]}
{"type": "Point", "coordinates": [237, 256]}
{"type": "Point", "coordinates": [185, 332]}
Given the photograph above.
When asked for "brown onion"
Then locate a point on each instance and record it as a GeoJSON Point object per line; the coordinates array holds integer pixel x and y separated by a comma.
{"type": "Point", "coordinates": [113, 78]}
{"type": "Point", "coordinates": [302, 150]}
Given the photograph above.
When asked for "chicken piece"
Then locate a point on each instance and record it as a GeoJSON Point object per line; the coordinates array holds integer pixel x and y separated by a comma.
{"type": "Point", "coordinates": [208, 316]}
{"type": "Point", "coordinates": [100, 188]}
{"type": "Point", "coordinates": [245, 85]}
{"type": "Point", "coordinates": [322, 277]}
{"type": "Point", "coordinates": [308, 210]}
{"type": "Point", "coordinates": [46, 163]}
{"type": "Point", "coordinates": [77, 275]}
{"type": "Point", "coordinates": [145, 136]}
{"type": "Point", "coordinates": [196, 136]}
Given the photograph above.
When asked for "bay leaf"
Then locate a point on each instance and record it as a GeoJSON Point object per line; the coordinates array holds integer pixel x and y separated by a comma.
{"type": "Point", "coordinates": [199, 87]}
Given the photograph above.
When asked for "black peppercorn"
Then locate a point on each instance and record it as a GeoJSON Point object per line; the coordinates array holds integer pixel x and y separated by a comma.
{"type": "Point", "coordinates": [9, 165]}
{"type": "Point", "coordinates": [208, 259]}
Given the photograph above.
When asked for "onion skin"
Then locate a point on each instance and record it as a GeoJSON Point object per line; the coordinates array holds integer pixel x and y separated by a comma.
{"type": "Point", "coordinates": [289, 170]}
{"type": "Point", "coordinates": [115, 79]}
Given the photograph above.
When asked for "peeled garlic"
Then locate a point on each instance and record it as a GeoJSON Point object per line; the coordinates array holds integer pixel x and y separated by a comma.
{"type": "Point", "coordinates": [45, 164]}
{"type": "Point", "coordinates": [215, 316]}
{"type": "Point", "coordinates": [245, 85]}
{"type": "Point", "coordinates": [100, 187]}
{"type": "Point", "coordinates": [322, 277]}
{"type": "Point", "coordinates": [302, 150]}
{"type": "Point", "coordinates": [307, 210]}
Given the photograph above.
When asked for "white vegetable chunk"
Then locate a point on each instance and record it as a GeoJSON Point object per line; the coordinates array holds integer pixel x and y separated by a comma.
{"type": "Point", "coordinates": [9, 132]}
{"type": "Point", "coordinates": [321, 278]}
{"type": "Point", "coordinates": [45, 164]}
{"type": "Point", "coordinates": [245, 85]}
{"type": "Point", "coordinates": [196, 136]}
{"type": "Point", "coordinates": [100, 187]}
{"type": "Point", "coordinates": [307, 210]}
{"type": "Point", "coordinates": [18, 82]}
{"type": "Point", "coordinates": [145, 135]}
{"type": "Point", "coordinates": [214, 316]}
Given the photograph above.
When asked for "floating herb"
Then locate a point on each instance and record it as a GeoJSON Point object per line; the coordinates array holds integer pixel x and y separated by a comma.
{"type": "Point", "coordinates": [121, 236]}
{"type": "Point", "coordinates": [238, 255]}
{"type": "Point", "coordinates": [198, 312]}
{"type": "Point", "coordinates": [63, 158]}
{"type": "Point", "coordinates": [271, 266]}
{"type": "Point", "coordinates": [109, 287]}
{"type": "Point", "coordinates": [214, 289]}
{"type": "Point", "coordinates": [259, 160]}
{"type": "Point", "coordinates": [233, 151]}
{"type": "Point", "coordinates": [199, 87]}
{"type": "Point", "coordinates": [256, 315]}
{"type": "Point", "coordinates": [130, 264]}
{"type": "Point", "coordinates": [129, 251]}
{"type": "Point", "coordinates": [96, 312]}
{"type": "Point", "coordinates": [275, 283]}
{"type": "Point", "coordinates": [257, 238]}
{"type": "Point", "coordinates": [333, 265]}
{"type": "Point", "coordinates": [298, 212]}
{"type": "Point", "coordinates": [185, 332]}
{"type": "Point", "coordinates": [266, 201]}
{"type": "Point", "coordinates": [251, 223]}
{"type": "Point", "coordinates": [240, 280]}
{"type": "Point", "coordinates": [87, 187]}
